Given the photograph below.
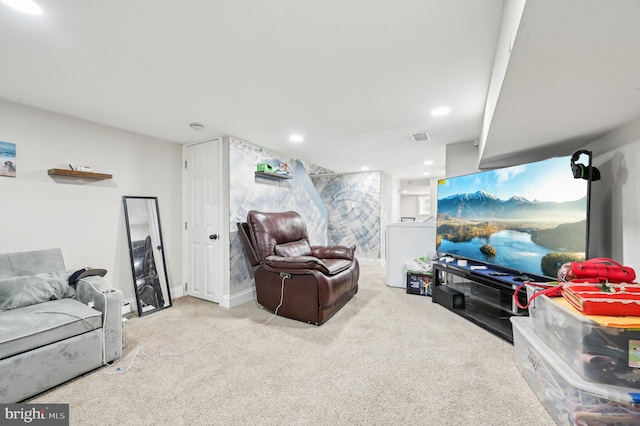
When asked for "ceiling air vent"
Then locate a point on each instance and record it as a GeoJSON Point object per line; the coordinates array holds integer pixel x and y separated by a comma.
{"type": "Point", "coordinates": [197, 127]}
{"type": "Point", "coordinates": [421, 136]}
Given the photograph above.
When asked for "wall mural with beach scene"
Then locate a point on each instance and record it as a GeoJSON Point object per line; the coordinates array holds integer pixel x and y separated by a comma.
{"type": "Point", "coordinates": [530, 218]}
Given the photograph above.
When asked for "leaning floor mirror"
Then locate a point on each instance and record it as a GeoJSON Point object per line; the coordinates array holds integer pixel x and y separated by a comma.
{"type": "Point", "coordinates": [146, 249]}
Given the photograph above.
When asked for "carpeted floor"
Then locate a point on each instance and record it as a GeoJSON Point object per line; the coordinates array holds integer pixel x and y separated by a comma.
{"type": "Point", "coordinates": [387, 358]}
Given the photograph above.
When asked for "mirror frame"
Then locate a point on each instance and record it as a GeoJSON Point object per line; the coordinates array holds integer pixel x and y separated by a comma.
{"type": "Point", "coordinates": [157, 284]}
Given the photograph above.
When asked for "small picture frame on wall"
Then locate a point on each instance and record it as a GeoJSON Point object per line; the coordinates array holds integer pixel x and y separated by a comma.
{"type": "Point", "coordinates": [7, 159]}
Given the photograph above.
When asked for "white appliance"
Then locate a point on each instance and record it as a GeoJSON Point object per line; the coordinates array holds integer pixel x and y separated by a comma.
{"type": "Point", "coordinates": [407, 241]}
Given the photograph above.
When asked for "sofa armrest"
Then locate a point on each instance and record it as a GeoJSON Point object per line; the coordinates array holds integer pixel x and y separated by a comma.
{"type": "Point", "coordinates": [333, 252]}
{"type": "Point", "coordinates": [108, 300]}
{"type": "Point", "coordinates": [287, 264]}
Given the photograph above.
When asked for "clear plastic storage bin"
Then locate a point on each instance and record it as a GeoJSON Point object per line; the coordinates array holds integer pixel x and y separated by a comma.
{"type": "Point", "coordinates": [569, 399]}
{"type": "Point", "coordinates": [598, 353]}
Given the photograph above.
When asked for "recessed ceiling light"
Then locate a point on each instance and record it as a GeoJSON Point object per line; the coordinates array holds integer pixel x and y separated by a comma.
{"type": "Point", "coordinates": [196, 127]}
{"type": "Point", "coordinates": [364, 168]}
{"type": "Point", "coordinates": [425, 174]}
{"type": "Point", "coordinates": [24, 6]}
{"type": "Point", "coordinates": [296, 138]}
{"type": "Point", "coordinates": [436, 112]}
{"type": "Point", "coordinates": [428, 162]}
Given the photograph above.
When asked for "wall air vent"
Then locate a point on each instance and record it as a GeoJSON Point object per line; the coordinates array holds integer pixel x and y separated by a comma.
{"type": "Point", "coordinates": [421, 136]}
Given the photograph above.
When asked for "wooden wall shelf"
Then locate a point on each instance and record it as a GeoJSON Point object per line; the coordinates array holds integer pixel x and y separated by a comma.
{"type": "Point", "coordinates": [77, 173]}
{"type": "Point", "coordinates": [273, 175]}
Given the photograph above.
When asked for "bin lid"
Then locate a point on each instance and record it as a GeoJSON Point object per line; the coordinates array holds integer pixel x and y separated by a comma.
{"type": "Point", "coordinates": [604, 320]}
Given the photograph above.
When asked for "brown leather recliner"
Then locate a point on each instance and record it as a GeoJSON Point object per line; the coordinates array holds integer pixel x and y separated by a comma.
{"type": "Point", "coordinates": [323, 278]}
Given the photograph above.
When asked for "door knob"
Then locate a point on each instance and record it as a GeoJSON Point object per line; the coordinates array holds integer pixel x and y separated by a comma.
{"type": "Point", "coordinates": [213, 236]}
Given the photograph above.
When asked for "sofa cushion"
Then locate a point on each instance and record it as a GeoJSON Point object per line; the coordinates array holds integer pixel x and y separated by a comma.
{"type": "Point", "coordinates": [294, 249]}
{"type": "Point", "coordinates": [17, 292]}
{"type": "Point", "coordinates": [30, 327]}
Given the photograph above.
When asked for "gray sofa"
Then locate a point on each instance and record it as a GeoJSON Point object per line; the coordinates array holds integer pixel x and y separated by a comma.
{"type": "Point", "coordinates": [50, 331]}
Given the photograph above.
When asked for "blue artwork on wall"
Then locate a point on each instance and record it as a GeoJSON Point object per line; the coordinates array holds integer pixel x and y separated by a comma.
{"type": "Point", "coordinates": [7, 159]}
{"type": "Point", "coordinates": [354, 207]}
{"type": "Point", "coordinates": [249, 192]}
{"type": "Point", "coordinates": [337, 209]}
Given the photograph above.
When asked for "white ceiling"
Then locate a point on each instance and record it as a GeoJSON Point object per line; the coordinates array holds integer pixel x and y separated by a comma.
{"type": "Point", "coordinates": [573, 76]}
{"type": "Point", "coordinates": [354, 77]}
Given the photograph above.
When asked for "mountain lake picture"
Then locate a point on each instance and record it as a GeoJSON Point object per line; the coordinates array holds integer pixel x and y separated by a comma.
{"type": "Point", "coordinates": [531, 218]}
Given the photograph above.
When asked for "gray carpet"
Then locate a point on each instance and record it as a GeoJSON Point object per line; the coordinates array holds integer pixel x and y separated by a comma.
{"type": "Point", "coordinates": [386, 358]}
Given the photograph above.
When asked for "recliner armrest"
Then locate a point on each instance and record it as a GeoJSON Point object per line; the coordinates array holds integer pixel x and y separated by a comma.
{"type": "Point", "coordinates": [333, 252]}
{"type": "Point", "coordinates": [307, 263]}
{"type": "Point", "coordinates": [108, 300]}
{"type": "Point", "coordinates": [296, 263]}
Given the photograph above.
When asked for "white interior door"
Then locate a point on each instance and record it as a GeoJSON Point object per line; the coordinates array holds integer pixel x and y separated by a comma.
{"type": "Point", "coordinates": [202, 221]}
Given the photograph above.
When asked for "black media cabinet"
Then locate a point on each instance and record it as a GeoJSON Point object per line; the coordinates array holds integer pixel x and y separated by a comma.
{"type": "Point", "coordinates": [481, 295]}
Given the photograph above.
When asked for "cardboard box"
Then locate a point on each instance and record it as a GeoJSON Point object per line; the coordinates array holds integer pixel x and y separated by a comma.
{"type": "Point", "coordinates": [419, 283]}
{"type": "Point", "coordinates": [266, 167]}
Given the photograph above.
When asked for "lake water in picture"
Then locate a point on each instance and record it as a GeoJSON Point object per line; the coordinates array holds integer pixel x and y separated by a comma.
{"type": "Point", "coordinates": [514, 250]}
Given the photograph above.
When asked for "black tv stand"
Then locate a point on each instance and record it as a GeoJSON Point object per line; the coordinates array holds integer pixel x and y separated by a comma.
{"type": "Point", "coordinates": [522, 278]}
{"type": "Point", "coordinates": [482, 295]}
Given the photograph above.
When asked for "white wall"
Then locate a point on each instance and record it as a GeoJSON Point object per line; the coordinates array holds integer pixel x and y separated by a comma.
{"type": "Point", "coordinates": [461, 158]}
{"type": "Point", "coordinates": [615, 201]}
{"type": "Point", "coordinates": [85, 218]}
{"type": "Point", "coordinates": [433, 191]}
{"type": "Point", "coordinates": [511, 16]}
{"type": "Point", "coordinates": [394, 190]}
{"type": "Point", "coordinates": [390, 209]}
{"type": "Point", "coordinates": [409, 207]}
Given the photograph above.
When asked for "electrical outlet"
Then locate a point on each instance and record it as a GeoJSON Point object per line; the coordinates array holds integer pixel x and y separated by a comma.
{"type": "Point", "coordinates": [127, 307]}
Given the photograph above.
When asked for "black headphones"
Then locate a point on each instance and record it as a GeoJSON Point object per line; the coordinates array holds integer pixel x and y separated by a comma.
{"type": "Point", "coordinates": [580, 171]}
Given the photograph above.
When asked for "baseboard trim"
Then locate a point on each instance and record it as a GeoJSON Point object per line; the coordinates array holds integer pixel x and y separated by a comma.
{"type": "Point", "coordinates": [177, 291]}
{"type": "Point", "coordinates": [231, 301]}
{"type": "Point", "coordinates": [131, 305]}
{"type": "Point", "coordinates": [370, 262]}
